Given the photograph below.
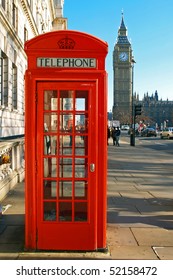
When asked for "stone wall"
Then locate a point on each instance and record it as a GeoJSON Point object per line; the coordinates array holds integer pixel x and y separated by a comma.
{"type": "Point", "coordinates": [12, 166]}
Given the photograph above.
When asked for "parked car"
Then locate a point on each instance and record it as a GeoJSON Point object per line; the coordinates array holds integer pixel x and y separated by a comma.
{"type": "Point", "coordinates": [125, 127]}
{"type": "Point", "coordinates": [149, 131]}
{"type": "Point", "coordinates": [167, 133]}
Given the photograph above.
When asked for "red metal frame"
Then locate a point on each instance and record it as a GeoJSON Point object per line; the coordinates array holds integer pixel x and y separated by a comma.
{"type": "Point", "coordinates": [95, 81]}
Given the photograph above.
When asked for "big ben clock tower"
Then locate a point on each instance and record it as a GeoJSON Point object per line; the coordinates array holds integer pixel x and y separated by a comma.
{"type": "Point", "coordinates": [122, 79]}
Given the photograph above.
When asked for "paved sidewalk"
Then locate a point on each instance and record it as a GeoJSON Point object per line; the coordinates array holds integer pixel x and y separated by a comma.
{"type": "Point", "coordinates": [140, 203]}
{"type": "Point", "coordinates": [140, 210]}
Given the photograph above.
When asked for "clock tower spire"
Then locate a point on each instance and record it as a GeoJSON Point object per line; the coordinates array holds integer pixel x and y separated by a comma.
{"type": "Point", "coordinates": [122, 30]}
{"type": "Point", "coordinates": [122, 78]}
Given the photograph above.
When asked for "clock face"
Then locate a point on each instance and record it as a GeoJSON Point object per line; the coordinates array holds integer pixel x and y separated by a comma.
{"type": "Point", "coordinates": [123, 56]}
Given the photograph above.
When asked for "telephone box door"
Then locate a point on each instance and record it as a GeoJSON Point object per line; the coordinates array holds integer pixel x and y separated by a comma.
{"type": "Point", "coordinates": [66, 166]}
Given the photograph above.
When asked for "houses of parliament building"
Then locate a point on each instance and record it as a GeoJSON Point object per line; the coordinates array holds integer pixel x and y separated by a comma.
{"type": "Point", "coordinates": [155, 111]}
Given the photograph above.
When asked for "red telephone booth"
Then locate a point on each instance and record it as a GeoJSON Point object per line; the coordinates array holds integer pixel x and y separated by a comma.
{"type": "Point", "coordinates": [66, 142]}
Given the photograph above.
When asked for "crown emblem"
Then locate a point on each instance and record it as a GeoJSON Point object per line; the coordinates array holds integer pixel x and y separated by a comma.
{"type": "Point", "coordinates": [66, 43]}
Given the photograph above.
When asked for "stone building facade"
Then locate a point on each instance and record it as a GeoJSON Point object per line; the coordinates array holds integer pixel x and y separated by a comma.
{"type": "Point", "coordinates": [20, 20]}
{"type": "Point", "coordinates": [155, 111]}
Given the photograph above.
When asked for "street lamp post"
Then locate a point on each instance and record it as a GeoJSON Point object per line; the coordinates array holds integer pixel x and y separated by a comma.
{"type": "Point", "coordinates": [132, 133]}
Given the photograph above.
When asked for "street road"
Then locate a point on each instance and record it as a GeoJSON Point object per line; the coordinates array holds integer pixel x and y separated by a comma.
{"type": "Point", "coordinates": [156, 143]}
{"type": "Point", "coordinates": [162, 145]}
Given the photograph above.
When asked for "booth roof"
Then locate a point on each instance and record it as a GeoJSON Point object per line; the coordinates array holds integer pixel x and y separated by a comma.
{"type": "Point", "coordinates": [66, 40]}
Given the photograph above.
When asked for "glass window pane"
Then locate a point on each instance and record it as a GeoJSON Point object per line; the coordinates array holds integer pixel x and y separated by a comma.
{"type": "Point", "coordinates": [80, 211]}
{"type": "Point", "coordinates": [66, 122]}
{"type": "Point", "coordinates": [50, 122]}
{"type": "Point", "coordinates": [66, 100]}
{"type": "Point", "coordinates": [49, 189]}
{"type": "Point", "coordinates": [65, 211]}
{"type": "Point", "coordinates": [65, 189]}
{"type": "Point", "coordinates": [50, 100]}
{"type": "Point", "coordinates": [65, 168]}
{"type": "Point", "coordinates": [50, 167]}
{"type": "Point", "coordinates": [80, 152]}
{"type": "Point", "coordinates": [65, 145]}
{"type": "Point", "coordinates": [50, 145]}
{"type": "Point", "coordinates": [80, 142]}
{"type": "Point", "coordinates": [81, 189]}
{"type": "Point", "coordinates": [80, 171]}
{"type": "Point", "coordinates": [49, 213]}
{"type": "Point", "coordinates": [81, 168]}
{"type": "Point", "coordinates": [81, 103]}
{"type": "Point", "coordinates": [81, 123]}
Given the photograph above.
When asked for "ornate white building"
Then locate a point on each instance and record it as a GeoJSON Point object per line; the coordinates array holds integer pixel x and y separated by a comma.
{"type": "Point", "coordinates": [20, 20]}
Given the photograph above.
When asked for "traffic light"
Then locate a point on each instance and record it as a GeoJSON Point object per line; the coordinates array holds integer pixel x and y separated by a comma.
{"type": "Point", "coordinates": [138, 109]}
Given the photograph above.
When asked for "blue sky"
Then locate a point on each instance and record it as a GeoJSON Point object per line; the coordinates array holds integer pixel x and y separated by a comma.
{"type": "Point", "coordinates": [150, 30]}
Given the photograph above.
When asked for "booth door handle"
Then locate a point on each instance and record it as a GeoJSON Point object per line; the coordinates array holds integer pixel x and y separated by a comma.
{"type": "Point", "coordinates": [92, 167]}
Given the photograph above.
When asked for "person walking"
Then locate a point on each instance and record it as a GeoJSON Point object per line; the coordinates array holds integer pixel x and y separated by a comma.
{"type": "Point", "coordinates": [116, 136]}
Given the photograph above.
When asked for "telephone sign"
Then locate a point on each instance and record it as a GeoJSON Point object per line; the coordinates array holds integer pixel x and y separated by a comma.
{"type": "Point", "coordinates": [66, 62]}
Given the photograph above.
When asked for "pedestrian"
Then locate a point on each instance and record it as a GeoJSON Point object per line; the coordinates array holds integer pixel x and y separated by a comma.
{"type": "Point", "coordinates": [118, 133]}
{"type": "Point", "coordinates": [116, 136]}
{"type": "Point", "coordinates": [108, 135]}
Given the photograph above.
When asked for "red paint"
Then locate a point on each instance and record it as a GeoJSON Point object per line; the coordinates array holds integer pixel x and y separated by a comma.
{"type": "Point", "coordinates": [66, 142]}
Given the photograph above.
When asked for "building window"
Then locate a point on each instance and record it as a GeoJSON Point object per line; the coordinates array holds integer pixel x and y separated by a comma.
{"type": "Point", "coordinates": [25, 34]}
{"type": "Point", "coordinates": [14, 16]}
{"type": "Point", "coordinates": [30, 2]}
{"type": "Point", "coordinates": [14, 86]}
{"type": "Point", "coordinates": [3, 79]}
{"type": "Point", "coordinates": [3, 4]}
